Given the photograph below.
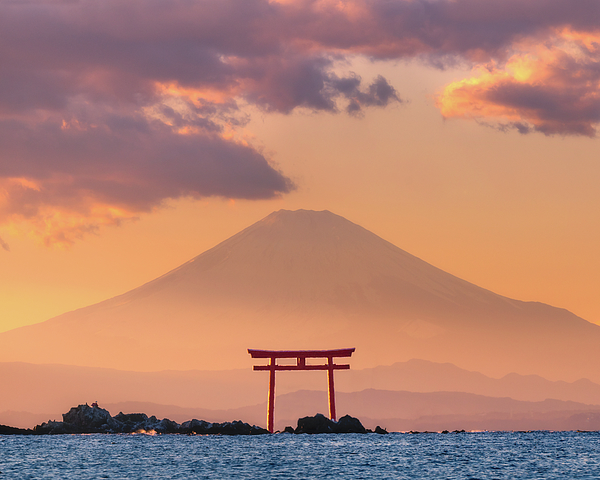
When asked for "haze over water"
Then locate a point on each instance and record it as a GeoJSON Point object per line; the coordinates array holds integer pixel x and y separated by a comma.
{"type": "Point", "coordinates": [483, 456]}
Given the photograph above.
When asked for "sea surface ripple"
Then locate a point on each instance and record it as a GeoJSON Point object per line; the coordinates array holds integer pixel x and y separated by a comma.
{"type": "Point", "coordinates": [467, 456]}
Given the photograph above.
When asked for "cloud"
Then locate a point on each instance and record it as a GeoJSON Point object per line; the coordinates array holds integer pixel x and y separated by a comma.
{"type": "Point", "coordinates": [112, 108]}
{"type": "Point", "coordinates": [108, 108]}
{"type": "Point", "coordinates": [553, 88]}
{"type": "Point", "coordinates": [380, 93]}
{"type": "Point", "coordinates": [474, 29]}
{"type": "Point", "coordinates": [69, 179]}
{"type": "Point", "coordinates": [4, 245]}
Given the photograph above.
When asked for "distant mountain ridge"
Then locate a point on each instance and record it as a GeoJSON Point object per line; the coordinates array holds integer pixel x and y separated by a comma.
{"type": "Point", "coordinates": [309, 279]}
{"type": "Point", "coordinates": [397, 411]}
{"type": "Point", "coordinates": [425, 376]}
{"type": "Point", "coordinates": [401, 411]}
{"type": "Point", "coordinates": [65, 385]}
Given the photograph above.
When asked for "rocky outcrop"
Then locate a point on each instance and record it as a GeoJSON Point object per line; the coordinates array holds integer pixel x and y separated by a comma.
{"type": "Point", "coordinates": [226, 428]}
{"type": "Point", "coordinates": [321, 424]}
{"type": "Point", "coordinates": [6, 430]}
{"type": "Point", "coordinates": [317, 424]}
{"type": "Point", "coordinates": [86, 419]}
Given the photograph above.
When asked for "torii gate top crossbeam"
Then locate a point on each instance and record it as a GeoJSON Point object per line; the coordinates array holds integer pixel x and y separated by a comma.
{"type": "Point", "coordinates": [341, 352]}
{"type": "Point", "coordinates": [301, 356]}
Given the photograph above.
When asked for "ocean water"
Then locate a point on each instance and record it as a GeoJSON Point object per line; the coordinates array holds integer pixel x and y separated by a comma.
{"type": "Point", "coordinates": [499, 455]}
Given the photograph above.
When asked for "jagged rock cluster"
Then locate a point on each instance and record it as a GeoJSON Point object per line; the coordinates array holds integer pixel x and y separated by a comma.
{"type": "Point", "coordinates": [321, 424]}
{"type": "Point", "coordinates": [86, 419]}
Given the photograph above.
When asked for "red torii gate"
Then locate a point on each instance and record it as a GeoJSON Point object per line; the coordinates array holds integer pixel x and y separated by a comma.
{"type": "Point", "coordinates": [300, 356]}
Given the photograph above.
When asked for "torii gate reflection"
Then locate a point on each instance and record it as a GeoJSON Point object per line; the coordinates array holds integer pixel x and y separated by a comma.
{"type": "Point", "coordinates": [300, 356]}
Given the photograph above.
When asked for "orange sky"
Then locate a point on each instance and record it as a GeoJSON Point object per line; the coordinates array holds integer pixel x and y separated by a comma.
{"type": "Point", "coordinates": [446, 174]}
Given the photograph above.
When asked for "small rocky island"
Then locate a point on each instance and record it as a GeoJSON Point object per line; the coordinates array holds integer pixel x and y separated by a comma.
{"type": "Point", "coordinates": [86, 419]}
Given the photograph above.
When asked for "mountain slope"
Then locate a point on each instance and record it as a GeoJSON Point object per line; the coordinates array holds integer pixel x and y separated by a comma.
{"type": "Point", "coordinates": [309, 279]}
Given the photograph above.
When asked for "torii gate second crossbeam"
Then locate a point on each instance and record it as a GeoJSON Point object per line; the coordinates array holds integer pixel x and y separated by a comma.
{"type": "Point", "coordinates": [300, 356]}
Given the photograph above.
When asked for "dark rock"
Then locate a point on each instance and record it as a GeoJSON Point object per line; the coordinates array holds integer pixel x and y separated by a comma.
{"type": "Point", "coordinates": [317, 424]}
{"type": "Point", "coordinates": [321, 424]}
{"type": "Point", "coordinates": [288, 430]}
{"type": "Point", "coordinates": [6, 430]}
{"type": "Point", "coordinates": [195, 426]}
{"type": "Point", "coordinates": [55, 428]}
{"type": "Point", "coordinates": [131, 422]}
{"type": "Point", "coordinates": [86, 419]}
{"type": "Point", "coordinates": [132, 418]}
{"type": "Point", "coordinates": [232, 428]}
{"type": "Point", "coordinates": [237, 428]}
{"type": "Point", "coordinates": [380, 430]}
{"type": "Point", "coordinates": [117, 427]}
{"type": "Point", "coordinates": [164, 426]}
{"type": "Point", "coordinates": [255, 430]}
{"type": "Point", "coordinates": [227, 428]}
{"type": "Point", "coordinates": [348, 424]}
{"type": "Point", "coordinates": [445, 431]}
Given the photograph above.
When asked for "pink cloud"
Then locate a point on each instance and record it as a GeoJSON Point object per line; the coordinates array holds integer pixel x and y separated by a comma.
{"type": "Point", "coordinates": [553, 88]}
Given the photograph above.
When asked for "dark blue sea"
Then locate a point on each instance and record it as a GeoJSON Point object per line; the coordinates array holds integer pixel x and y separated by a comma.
{"type": "Point", "coordinates": [500, 455]}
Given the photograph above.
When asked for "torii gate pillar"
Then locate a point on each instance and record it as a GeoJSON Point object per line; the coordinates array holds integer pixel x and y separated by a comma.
{"type": "Point", "coordinates": [330, 389]}
{"type": "Point", "coordinates": [300, 356]}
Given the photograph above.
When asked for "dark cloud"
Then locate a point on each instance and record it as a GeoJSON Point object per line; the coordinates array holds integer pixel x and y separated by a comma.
{"type": "Point", "coordinates": [150, 158]}
{"type": "Point", "coordinates": [551, 110]}
{"type": "Point", "coordinates": [96, 176]}
{"type": "Point", "coordinates": [380, 93]}
{"type": "Point", "coordinates": [4, 245]}
{"type": "Point", "coordinates": [521, 127]}
{"type": "Point", "coordinates": [134, 166]}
